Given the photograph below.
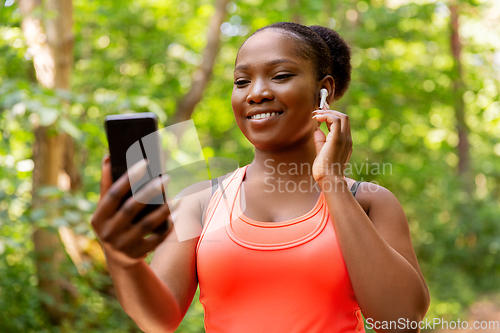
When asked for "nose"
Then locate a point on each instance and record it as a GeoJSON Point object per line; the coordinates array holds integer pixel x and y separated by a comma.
{"type": "Point", "coordinates": [259, 92]}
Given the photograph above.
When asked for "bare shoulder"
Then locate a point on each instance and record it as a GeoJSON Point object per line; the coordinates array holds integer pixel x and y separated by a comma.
{"type": "Point", "coordinates": [381, 205]}
{"type": "Point", "coordinates": [196, 197]}
{"type": "Point", "coordinates": [388, 217]}
{"type": "Point", "coordinates": [378, 198]}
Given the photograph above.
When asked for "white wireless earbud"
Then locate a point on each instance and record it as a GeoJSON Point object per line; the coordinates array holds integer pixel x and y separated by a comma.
{"type": "Point", "coordinates": [324, 93]}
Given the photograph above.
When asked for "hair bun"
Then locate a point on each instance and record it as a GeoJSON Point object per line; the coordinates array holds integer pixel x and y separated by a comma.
{"type": "Point", "coordinates": [314, 42]}
{"type": "Point", "coordinates": [341, 58]}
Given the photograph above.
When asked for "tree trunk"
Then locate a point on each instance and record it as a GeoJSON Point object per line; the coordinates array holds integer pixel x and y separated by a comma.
{"type": "Point", "coordinates": [295, 8]}
{"type": "Point", "coordinates": [47, 155]}
{"type": "Point", "coordinates": [69, 165]}
{"type": "Point", "coordinates": [202, 75]}
{"type": "Point", "coordinates": [50, 44]}
{"type": "Point", "coordinates": [458, 90]}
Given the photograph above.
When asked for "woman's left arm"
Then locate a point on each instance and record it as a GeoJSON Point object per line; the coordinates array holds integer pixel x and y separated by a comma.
{"type": "Point", "coordinates": [377, 249]}
{"type": "Point", "coordinates": [378, 253]}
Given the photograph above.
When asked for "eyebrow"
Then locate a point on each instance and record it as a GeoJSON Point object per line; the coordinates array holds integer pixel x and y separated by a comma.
{"type": "Point", "coordinates": [268, 64]}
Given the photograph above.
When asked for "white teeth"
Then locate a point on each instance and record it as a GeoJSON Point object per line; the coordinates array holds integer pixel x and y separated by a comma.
{"type": "Point", "coordinates": [264, 115]}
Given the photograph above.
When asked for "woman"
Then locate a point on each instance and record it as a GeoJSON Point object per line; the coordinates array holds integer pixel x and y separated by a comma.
{"type": "Point", "coordinates": [285, 246]}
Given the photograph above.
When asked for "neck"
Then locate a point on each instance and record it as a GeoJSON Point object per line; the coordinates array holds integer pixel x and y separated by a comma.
{"type": "Point", "coordinates": [294, 162]}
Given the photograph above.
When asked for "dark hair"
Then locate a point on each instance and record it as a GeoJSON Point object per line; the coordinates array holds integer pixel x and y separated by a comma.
{"type": "Point", "coordinates": [328, 52]}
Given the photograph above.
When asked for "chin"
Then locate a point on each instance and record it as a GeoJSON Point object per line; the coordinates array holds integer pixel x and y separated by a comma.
{"type": "Point", "coordinates": [277, 144]}
{"type": "Point", "coordinates": [266, 142]}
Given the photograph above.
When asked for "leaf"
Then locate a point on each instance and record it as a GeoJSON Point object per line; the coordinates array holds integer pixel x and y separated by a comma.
{"type": "Point", "coordinates": [73, 216]}
{"type": "Point", "coordinates": [84, 205]}
{"type": "Point", "coordinates": [158, 110]}
{"type": "Point", "coordinates": [47, 116]}
{"type": "Point", "coordinates": [14, 97]}
{"type": "Point", "coordinates": [64, 94]}
{"type": "Point", "coordinates": [70, 128]}
{"type": "Point", "coordinates": [60, 222]}
{"type": "Point", "coordinates": [50, 191]}
{"type": "Point", "coordinates": [37, 214]}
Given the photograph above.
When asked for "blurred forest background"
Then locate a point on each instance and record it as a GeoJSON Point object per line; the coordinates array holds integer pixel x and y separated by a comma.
{"type": "Point", "coordinates": [424, 97]}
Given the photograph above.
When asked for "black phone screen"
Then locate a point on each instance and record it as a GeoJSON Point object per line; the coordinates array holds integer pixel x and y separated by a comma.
{"type": "Point", "coordinates": [125, 130]}
{"type": "Point", "coordinates": [122, 133]}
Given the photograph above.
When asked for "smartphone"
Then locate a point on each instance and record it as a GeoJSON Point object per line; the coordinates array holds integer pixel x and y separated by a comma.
{"type": "Point", "coordinates": [132, 137]}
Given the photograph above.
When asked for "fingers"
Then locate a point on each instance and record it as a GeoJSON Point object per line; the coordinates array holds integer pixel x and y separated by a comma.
{"type": "Point", "coordinates": [152, 193]}
{"type": "Point", "coordinates": [349, 157]}
{"type": "Point", "coordinates": [112, 195]}
{"type": "Point", "coordinates": [338, 142]}
{"type": "Point", "coordinates": [331, 115]}
{"type": "Point", "coordinates": [148, 245]}
{"type": "Point", "coordinates": [106, 179]}
{"type": "Point", "coordinates": [123, 236]}
{"type": "Point", "coordinates": [319, 139]}
{"type": "Point", "coordinates": [331, 120]}
{"type": "Point", "coordinates": [339, 120]}
{"type": "Point", "coordinates": [113, 217]}
{"type": "Point", "coordinates": [144, 227]}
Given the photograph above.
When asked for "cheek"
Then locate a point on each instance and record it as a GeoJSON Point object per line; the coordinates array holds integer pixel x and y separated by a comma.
{"type": "Point", "coordinates": [233, 99]}
{"type": "Point", "coordinates": [302, 101]}
{"type": "Point", "coordinates": [237, 99]}
{"type": "Point", "coordinates": [302, 94]}
{"type": "Point", "coordinates": [237, 109]}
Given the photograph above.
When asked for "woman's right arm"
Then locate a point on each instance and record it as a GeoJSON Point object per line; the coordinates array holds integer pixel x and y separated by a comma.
{"type": "Point", "coordinates": [156, 297]}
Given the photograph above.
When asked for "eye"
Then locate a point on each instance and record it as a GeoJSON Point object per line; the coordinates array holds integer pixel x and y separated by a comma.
{"type": "Point", "coordinates": [241, 82]}
{"type": "Point", "coordinates": [283, 76]}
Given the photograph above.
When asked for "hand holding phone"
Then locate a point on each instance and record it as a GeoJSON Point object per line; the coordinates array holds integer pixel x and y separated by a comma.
{"type": "Point", "coordinates": [124, 242]}
{"type": "Point", "coordinates": [121, 222]}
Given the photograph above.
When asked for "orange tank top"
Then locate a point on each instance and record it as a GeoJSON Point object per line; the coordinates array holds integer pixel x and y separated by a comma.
{"type": "Point", "coordinates": [269, 277]}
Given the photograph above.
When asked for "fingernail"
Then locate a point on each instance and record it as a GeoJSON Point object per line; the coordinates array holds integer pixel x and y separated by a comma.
{"type": "Point", "coordinates": [138, 169]}
{"type": "Point", "coordinates": [158, 183]}
{"type": "Point", "coordinates": [105, 159]}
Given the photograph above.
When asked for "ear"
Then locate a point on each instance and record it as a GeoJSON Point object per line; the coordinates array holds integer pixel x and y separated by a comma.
{"type": "Point", "coordinates": [329, 84]}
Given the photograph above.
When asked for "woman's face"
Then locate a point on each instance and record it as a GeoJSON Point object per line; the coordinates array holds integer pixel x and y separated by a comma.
{"type": "Point", "coordinates": [271, 78]}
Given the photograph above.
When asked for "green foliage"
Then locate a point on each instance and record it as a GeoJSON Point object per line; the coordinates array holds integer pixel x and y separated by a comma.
{"type": "Point", "coordinates": [139, 55]}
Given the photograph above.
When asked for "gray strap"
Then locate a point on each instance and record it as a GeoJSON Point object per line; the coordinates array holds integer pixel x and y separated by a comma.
{"type": "Point", "coordinates": [214, 185]}
{"type": "Point", "coordinates": [354, 187]}
{"type": "Point", "coordinates": [214, 188]}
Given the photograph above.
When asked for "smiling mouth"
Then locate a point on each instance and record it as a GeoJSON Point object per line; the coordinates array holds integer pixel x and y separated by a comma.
{"type": "Point", "coordinates": [265, 115]}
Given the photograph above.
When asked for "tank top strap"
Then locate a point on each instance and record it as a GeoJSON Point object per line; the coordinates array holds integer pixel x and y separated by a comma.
{"type": "Point", "coordinates": [354, 187]}
{"type": "Point", "coordinates": [222, 193]}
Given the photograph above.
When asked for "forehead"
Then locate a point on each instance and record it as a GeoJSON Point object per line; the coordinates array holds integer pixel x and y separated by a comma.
{"type": "Point", "coordinates": [268, 45]}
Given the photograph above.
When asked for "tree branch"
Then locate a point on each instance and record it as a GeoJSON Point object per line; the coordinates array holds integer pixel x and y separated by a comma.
{"type": "Point", "coordinates": [201, 76]}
